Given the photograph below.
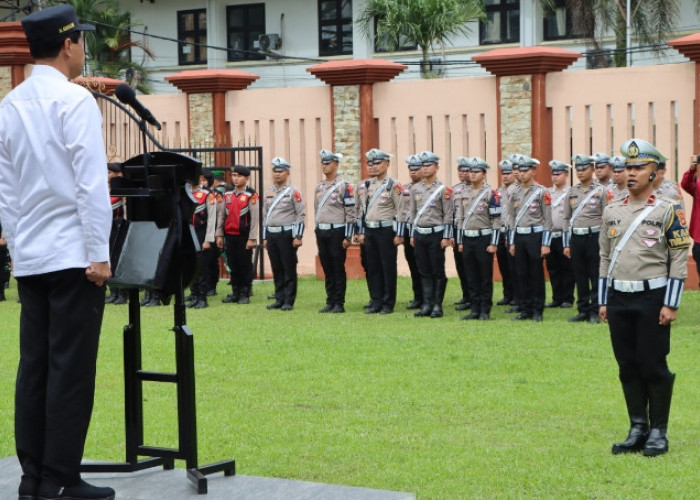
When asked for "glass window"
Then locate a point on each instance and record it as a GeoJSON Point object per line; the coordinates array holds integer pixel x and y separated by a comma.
{"type": "Point", "coordinates": [381, 45]}
{"type": "Point", "coordinates": [192, 30]}
{"type": "Point", "coordinates": [335, 27]}
{"type": "Point", "coordinates": [502, 22]}
{"type": "Point", "coordinates": [245, 25]}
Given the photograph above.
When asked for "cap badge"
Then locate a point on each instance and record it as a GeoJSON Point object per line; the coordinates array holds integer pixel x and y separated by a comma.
{"type": "Point", "coordinates": [633, 150]}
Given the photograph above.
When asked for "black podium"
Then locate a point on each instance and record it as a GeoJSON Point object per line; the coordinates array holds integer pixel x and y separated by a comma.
{"type": "Point", "coordinates": [156, 248]}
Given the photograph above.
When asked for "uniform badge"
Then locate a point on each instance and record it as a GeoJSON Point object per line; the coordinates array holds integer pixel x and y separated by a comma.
{"type": "Point", "coordinates": [350, 190]}
{"type": "Point", "coordinates": [253, 199]}
{"type": "Point", "coordinates": [297, 196]}
{"type": "Point", "coordinates": [649, 243]}
{"type": "Point", "coordinates": [680, 213]}
{"type": "Point", "coordinates": [609, 195]}
{"type": "Point", "coordinates": [613, 232]}
{"type": "Point", "coordinates": [416, 197]}
{"type": "Point", "coordinates": [633, 150]}
{"type": "Point", "coordinates": [650, 232]}
{"type": "Point", "coordinates": [547, 199]}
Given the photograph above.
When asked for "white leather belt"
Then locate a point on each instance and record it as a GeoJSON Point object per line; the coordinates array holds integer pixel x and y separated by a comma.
{"type": "Point", "coordinates": [429, 230]}
{"type": "Point", "coordinates": [529, 230]}
{"type": "Point", "coordinates": [473, 233]}
{"type": "Point", "coordinates": [639, 286]}
{"type": "Point", "coordinates": [325, 226]}
{"type": "Point", "coordinates": [582, 231]}
{"type": "Point", "coordinates": [502, 230]}
{"type": "Point", "coordinates": [279, 229]}
{"type": "Point", "coordinates": [374, 224]}
{"type": "Point", "coordinates": [556, 234]}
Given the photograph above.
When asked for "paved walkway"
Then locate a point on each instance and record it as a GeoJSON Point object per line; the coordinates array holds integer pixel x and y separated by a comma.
{"type": "Point", "coordinates": [159, 484]}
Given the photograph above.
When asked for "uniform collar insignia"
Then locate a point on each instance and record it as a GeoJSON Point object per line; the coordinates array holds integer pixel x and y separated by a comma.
{"type": "Point", "coordinates": [626, 200]}
{"type": "Point", "coordinates": [652, 199]}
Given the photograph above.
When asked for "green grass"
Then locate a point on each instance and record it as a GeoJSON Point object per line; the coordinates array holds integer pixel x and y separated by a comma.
{"type": "Point", "coordinates": [442, 408]}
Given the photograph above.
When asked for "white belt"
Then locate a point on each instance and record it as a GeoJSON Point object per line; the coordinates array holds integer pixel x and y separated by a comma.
{"type": "Point", "coordinates": [372, 224]}
{"type": "Point", "coordinates": [639, 286]}
{"type": "Point", "coordinates": [529, 230]}
{"type": "Point", "coordinates": [279, 229]}
{"type": "Point", "coordinates": [473, 233]}
{"type": "Point", "coordinates": [581, 231]}
{"type": "Point", "coordinates": [556, 234]}
{"type": "Point", "coordinates": [325, 226]}
{"type": "Point", "coordinates": [429, 230]}
{"type": "Point", "coordinates": [503, 229]}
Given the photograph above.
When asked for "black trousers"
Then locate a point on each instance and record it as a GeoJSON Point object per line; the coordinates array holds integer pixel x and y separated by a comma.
{"type": "Point", "coordinates": [528, 264]}
{"type": "Point", "coordinates": [640, 344]}
{"type": "Point", "coordinates": [410, 254]}
{"type": "Point", "coordinates": [478, 265]}
{"type": "Point", "coordinates": [561, 274]}
{"type": "Point", "coordinates": [507, 269]}
{"type": "Point", "coordinates": [430, 258]}
{"type": "Point", "coordinates": [332, 256]}
{"type": "Point", "coordinates": [380, 255]}
{"type": "Point", "coordinates": [462, 274]}
{"type": "Point", "coordinates": [239, 260]}
{"type": "Point", "coordinates": [59, 327]}
{"type": "Point", "coordinates": [5, 265]}
{"type": "Point", "coordinates": [283, 259]}
{"type": "Point", "coordinates": [585, 259]}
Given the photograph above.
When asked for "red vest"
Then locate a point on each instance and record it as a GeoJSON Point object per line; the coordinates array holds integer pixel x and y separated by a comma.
{"type": "Point", "coordinates": [117, 206]}
{"type": "Point", "coordinates": [238, 207]}
{"type": "Point", "coordinates": [199, 218]}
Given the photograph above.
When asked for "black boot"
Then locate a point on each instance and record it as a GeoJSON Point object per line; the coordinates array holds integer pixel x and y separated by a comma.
{"type": "Point", "coordinates": [110, 298]}
{"type": "Point", "coordinates": [232, 297]}
{"type": "Point", "coordinates": [2, 294]}
{"type": "Point", "coordinates": [440, 286]}
{"type": "Point", "coordinates": [146, 298]}
{"type": "Point", "coordinates": [201, 302]}
{"type": "Point", "coordinates": [659, 407]}
{"type": "Point", "coordinates": [244, 297]}
{"type": "Point", "coordinates": [122, 297]}
{"type": "Point", "coordinates": [414, 304]}
{"type": "Point", "coordinates": [636, 400]}
{"type": "Point", "coordinates": [427, 306]}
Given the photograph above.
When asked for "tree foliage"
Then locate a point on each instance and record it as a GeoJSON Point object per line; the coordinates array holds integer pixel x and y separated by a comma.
{"type": "Point", "coordinates": [424, 23]}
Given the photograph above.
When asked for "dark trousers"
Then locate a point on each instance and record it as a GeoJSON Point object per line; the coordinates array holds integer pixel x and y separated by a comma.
{"type": "Point", "coordinates": [60, 326]}
{"type": "Point", "coordinates": [528, 264]}
{"type": "Point", "coordinates": [506, 268]}
{"type": "Point", "coordinates": [640, 344]}
{"type": "Point", "coordinates": [380, 254]}
{"type": "Point", "coordinates": [332, 256]}
{"type": "Point", "coordinates": [585, 259]}
{"type": "Point", "coordinates": [5, 265]}
{"type": "Point", "coordinates": [561, 274]}
{"type": "Point", "coordinates": [410, 254]}
{"type": "Point", "coordinates": [430, 259]}
{"type": "Point", "coordinates": [239, 260]}
{"type": "Point", "coordinates": [462, 274]}
{"type": "Point", "coordinates": [204, 280]}
{"type": "Point", "coordinates": [478, 265]}
{"type": "Point", "coordinates": [283, 259]}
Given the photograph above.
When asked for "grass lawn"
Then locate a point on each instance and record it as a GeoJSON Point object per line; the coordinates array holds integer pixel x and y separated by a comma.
{"type": "Point", "coordinates": [442, 408]}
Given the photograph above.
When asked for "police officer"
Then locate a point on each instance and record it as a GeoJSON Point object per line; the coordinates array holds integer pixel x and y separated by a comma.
{"type": "Point", "coordinates": [283, 228]}
{"type": "Point", "coordinates": [415, 173]}
{"type": "Point", "coordinates": [360, 204]}
{"type": "Point", "coordinates": [561, 274]}
{"type": "Point", "coordinates": [583, 210]}
{"type": "Point", "coordinates": [380, 232]}
{"type": "Point", "coordinates": [431, 215]}
{"type": "Point", "coordinates": [530, 237]}
{"type": "Point", "coordinates": [479, 223]}
{"type": "Point", "coordinates": [619, 188]}
{"type": "Point", "coordinates": [334, 208]}
{"type": "Point", "coordinates": [237, 230]}
{"type": "Point", "coordinates": [603, 169]}
{"type": "Point", "coordinates": [463, 172]}
{"type": "Point", "coordinates": [505, 266]}
{"type": "Point", "coordinates": [117, 296]}
{"type": "Point", "coordinates": [643, 258]}
{"type": "Point", "coordinates": [666, 188]}
{"type": "Point", "coordinates": [204, 222]}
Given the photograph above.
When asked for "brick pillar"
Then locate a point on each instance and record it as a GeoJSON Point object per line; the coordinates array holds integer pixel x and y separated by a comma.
{"type": "Point", "coordinates": [524, 122]}
{"type": "Point", "coordinates": [352, 112]}
{"type": "Point", "coordinates": [14, 56]}
{"type": "Point", "coordinates": [206, 94]}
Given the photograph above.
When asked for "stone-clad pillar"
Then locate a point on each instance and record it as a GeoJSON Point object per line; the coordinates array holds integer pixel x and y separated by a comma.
{"type": "Point", "coordinates": [14, 56]}
{"type": "Point", "coordinates": [524, 123]}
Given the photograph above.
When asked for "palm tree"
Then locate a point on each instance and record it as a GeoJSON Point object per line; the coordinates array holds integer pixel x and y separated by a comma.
{"type": "Point", "coordinates": [419, 22]}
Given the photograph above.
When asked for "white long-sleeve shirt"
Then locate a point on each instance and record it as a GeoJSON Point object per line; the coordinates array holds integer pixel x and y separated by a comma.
{"type": "Point", "coordinates": [54, 199]}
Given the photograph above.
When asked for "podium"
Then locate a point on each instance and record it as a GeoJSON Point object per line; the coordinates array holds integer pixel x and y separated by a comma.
{"type": "Point", "coordinates": [156, 248]}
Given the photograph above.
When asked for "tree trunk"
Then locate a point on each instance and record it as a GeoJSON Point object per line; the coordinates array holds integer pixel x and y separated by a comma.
{"type": "Point", "coordinates": [620, 41]}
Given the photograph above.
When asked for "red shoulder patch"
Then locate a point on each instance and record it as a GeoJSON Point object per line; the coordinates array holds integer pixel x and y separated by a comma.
{"type": "Point", "coordinates": [254, 199]}
{"type": "Point", "coordinates": [547, 198]}
{"type": "Point", "coordinates": [399, 189]}
{"type": "Point", "coordinates": [496, 196]}
{"type": "Point", "coordinates": [609, 195]}
{"type": "Point", "coordinates": [297, 196]}
{"type": "Point", "coordinates": [351, 191]}
{"type": "Point", "coordinates": [448, 193]}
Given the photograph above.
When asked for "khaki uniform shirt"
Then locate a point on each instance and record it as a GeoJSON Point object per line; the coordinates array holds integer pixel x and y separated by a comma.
{"type": "Point", "coordinates": [485, 215]}
{"type": "Point", "coordinates": [339, 206]}
{"type": "Point", "coordinates": [618, 194]}
{"type": "Point", "coordinates": [538, 212]}
{"type": "Point", "coordinates": [559, 200]}
{"type": "Point", "coordinates": [670, 191]}
{"type": "Point", "coordinates": [440, 211]}
{"type": "Point", "coordinates": [405, 201]}
{"type": "Point", "coordinates": [457, 191]}
{"type": "Point", "coordinates": [289, 211]}
{"type": "Point", "coordinates": [387, 205]}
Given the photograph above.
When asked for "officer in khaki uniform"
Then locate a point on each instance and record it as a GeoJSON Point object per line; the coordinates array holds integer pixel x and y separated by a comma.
{"type": "Point", "coordinates": [530, 237]}
{"type": "Point", "coordinates": [583, 210]}
{"type": "Point", "coordinates": [381, 232]}
{"type": "Point", "coordinates": [619, 187]}
{"type": "Point", "coordinates": [665, 188]}
{"type": "Point", "coordinates": [643, 257]}
{"type": "Point", "coordinates": [431, 216]}
{"type": "Point", "coordinates": [414, 171]}
{"type": "Point", "coordinates": [603, 169]}
{"type": "Point", "coordinates": [479, 222]}
{"type": "Point", "coordinates": [561, 274]}
{"type": "Point", "coordinates": [334, 209]}
{"type": "Point", "coordinates": [360, 197]}
{"type": "Point", "coordinates": [464, 173]}
{"type": "Point", "coordinates": [506, 264]}
{"type": "Point", "coordinates": [283, 228]}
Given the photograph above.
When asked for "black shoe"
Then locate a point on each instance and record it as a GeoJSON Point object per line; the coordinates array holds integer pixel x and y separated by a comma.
{"type": "Point", "coordinates": [566, 305]}
{"type": "Point", "coordinates": [108, 300]}
{"type": "Point", "coordinates": [368, 305]}
{"type": "Point", "coordinates": [593, 318]}
{"type": "Point", "coordinates": [415, 304]}
{"type": "Point", "coordinates": [201, 303]}
{"type": "Point", "coordinates": [338, 308]}
{"type": "Point", "coordinates": [275, 305]}
{"type": "Point", "coordinates": [484, 316]}
{"type": "Point", "coordinates": [521, 317]}
{"type": "Point", "coordinates": [636, 438]}
{"type": "Point", "coordinates": [211, 293]}
{"type": "Point", "coordinates": [461, 301]}
{"type": "Point", "coordinates": [28, 488]}
{"type": "Point", "coordinates": [553, 304]}
{"type": "Point", "coordinates": [579, 318]}
{"type": "Point", "coordinates": [657, 443]}
{"type": "Point", "coordinates": [119, 300]}
{"type": "Point", "coordinates": [424, 311]}
{"type": "Point", "coordinates": [503, 302]}
{"type": "Point", "coordinates": [244, 299]}
{"type": "Point", "coordinates": [372, 310]}
{"type": "Point", "coordinates": [326, 309]}
{"type": "Point", "coordinates": [513, 310]}
{"type": "Point", "coordinates": [437, 311]}
{"type": "Point", "coordinates": [474, 315]}
{"type": "Point", "coordinates": [272, 297]}
{"type": "Point", "coordinates": [230, 298]}
{"type": "Point", "coordinates": [286, 307]}
{"type": "Point", "coordinates": [537, 318]}
{"type": "Point", "coordinates": [386, 310]}
{"type": "Point", "coordinates": [463, 307]}
{"type": "Point", "coordinates": [82, 491]}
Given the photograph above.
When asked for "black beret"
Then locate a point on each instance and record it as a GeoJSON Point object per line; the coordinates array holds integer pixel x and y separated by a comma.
{"type": "Point", "coordinates": [53, 24]}
{"type": "Point", "coordinates": [241, 170]}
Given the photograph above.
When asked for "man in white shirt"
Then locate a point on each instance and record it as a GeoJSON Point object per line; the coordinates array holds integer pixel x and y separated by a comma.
{"type": "Point", "coordinates": [55, 212]}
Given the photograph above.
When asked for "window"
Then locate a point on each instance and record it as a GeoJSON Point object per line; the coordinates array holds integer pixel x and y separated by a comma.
{"type": "Point", "coordinates": [502, 23]}
{"type": "Point", "coordinates": [562, 23]}
{"type": "Point", "coordinates": [335, 27]}
{"type": "Point", "coordinates": [245, 23]}
{"type": "Point", "coordinates": [192, 27]}
{"type": "Point", "coordinates": [381, 45]}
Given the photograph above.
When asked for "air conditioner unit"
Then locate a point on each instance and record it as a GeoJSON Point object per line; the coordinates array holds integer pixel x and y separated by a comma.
{"type": "Point", "coordinates": [269, 41]}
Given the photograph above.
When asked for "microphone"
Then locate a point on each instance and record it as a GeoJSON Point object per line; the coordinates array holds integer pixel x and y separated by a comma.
{"type": "Point", "coordinates": [127, 95]}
